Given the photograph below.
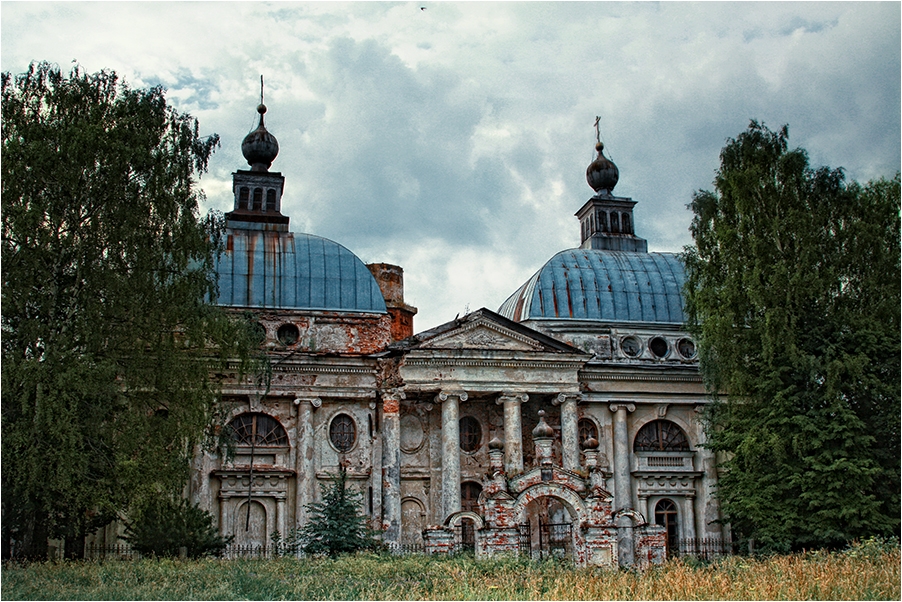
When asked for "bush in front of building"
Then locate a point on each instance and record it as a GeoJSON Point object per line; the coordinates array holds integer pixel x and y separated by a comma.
{"type": "Point", "coordinates": [169, 527]}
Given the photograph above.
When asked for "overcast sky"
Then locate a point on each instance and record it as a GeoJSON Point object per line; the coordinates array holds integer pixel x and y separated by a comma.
{"type": "Point", "coordinates": [453, 138]}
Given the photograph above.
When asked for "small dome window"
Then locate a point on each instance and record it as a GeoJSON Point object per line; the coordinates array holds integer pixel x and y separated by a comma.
{"type": "Point", "coordinates": [686, 348]}
{"type": "Point", "coordinates": [659, 347]}
{"type": "Point", "coordinates": [470, 434]}
{"type": "Point", "coordinates": [631, 347]}
{"type": "Point", "coordinates": [343, 432]}
{"type": "Point", "coordinates": [258, 199]}
{"type": "Point", "coordinates": [288, 334]}
{"type": "Point", "coordinates": [243, 196]}
{"type": "Point", "coordinates": [270, 200]}
{"type": "Point", "coordinates": [258, 430]}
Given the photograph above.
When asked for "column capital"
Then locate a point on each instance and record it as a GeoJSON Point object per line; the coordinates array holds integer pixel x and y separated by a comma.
{"type": "Point", "coordinates": [395, 394]}
{"type": "Point", "coordinates": [446, 395]}
{"type": "Point", "coordinates": [314, 401]}
{"type": "Point", "coordinates": [565, 397]}
{"type": "Point", "coordinates": [622, 405]}
{"type": "Point", "coordinates": [508, 397]}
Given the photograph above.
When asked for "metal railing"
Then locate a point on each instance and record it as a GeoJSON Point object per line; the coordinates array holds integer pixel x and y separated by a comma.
{"type": "Point", "coordinates": [706, 548]}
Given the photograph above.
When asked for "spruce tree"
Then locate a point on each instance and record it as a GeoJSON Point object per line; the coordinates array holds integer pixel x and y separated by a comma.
{"type": "Point", "coordinates": [336, 524]}
{"type": "Point", "coordinates": [793, 292]}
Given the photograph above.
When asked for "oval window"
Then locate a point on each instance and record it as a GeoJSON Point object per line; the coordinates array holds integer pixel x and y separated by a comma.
{"type": "Point", "coordinates": [343, 432]}
{"type": "Point", "coordinates": [288, 334]}
{"type": "Point", "coordinates": [470, 434]}
{"type": "Point", "coordinates": [659, 347]}
{"type": "Point", "coordinates": [686, 348]}
{"type": "Point", "coordinates": [630, 346]}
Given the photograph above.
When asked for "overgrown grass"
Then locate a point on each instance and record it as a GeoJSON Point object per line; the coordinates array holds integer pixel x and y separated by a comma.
{"type": "Point", "coordinates": [856, 574]}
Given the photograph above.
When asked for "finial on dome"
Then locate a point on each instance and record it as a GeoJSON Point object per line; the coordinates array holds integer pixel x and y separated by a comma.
{"type": "Point", "coordinates": [260, 148]}
{"type": "Point", "coordinates": [602, 174]}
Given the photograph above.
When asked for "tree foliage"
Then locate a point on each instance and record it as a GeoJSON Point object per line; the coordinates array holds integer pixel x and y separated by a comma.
{"type": "Point", "coordinates": [793, 291]}
{"type": "Point", "coordinates": [162, 525]}
{"type": "Point", "coordinates": [108, 343]}
{"type": "Point", "coordinates": [336, 525]}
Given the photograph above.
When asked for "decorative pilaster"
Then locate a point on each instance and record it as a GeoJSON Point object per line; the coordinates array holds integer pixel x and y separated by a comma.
{"type": "Point", "coordinates": [450, 401]}
{"type": "Point", "coordinates": [513, 431]}
{"type": "Point", "coordinates": [304, 454]}
{"type": "Point", "coordinates": [569, 430]}
{"type": "Point", "coordinates": [391, 465]}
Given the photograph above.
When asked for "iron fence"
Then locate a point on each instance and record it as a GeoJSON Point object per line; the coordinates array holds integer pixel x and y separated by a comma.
{"type": "Point", "coordinates": [706, 548]}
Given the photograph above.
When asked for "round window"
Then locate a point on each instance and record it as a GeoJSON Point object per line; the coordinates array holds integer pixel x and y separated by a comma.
{"type": "Point", "coordinates": [343, 432]}
{"type": "Point", "coordinates": [630, 346]}
{"type": "Point", "coordinates": [470, 434]}
{"type": "Point", "coordinates": [686, 348]}
{"type": "Point", "coordinates": [288, 334]}
{"type": "Point", "coordinates": [658, 347]}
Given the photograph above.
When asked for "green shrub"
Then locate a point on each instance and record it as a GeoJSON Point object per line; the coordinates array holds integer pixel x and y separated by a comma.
{"type": "Point", "coordinates": [163, 525]}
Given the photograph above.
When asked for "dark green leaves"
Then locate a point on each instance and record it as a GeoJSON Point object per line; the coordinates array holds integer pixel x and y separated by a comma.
{"type": "Point", "coordinates": [793, 293]}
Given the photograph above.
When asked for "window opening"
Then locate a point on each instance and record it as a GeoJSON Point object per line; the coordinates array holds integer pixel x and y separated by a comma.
{"type": "Point", "coordinates": [627, 229]}
{"type": "Point", "coordinates": [587, 430]}
{"type": "Point", "coordinates": [258, 430]}
{"type": "Point", "coordinates": [666, 516]}
{"type": "Point", "coordinates": [686, 348]}
{"type": "Point", "coordinates": [469, 496]}
{"type": "Point", "coordinates": [615, 222]}
{"type": "Point", "coordinates": [258, 199]}
{"type": "Point", "coordinates": [288, 334]}
{"type": "Point", "coordinates": [243, 196]}
{"type": "Point", "coordinates": [343, 432]}
{"type": "Point", "coordinates": [661, 435]}
{"type": "Point", "coordinates": [270, 200]}
{"type": "Point", "coordinates": [658, 347]}
{"type": "Point", "coordinates": [470, 434]}
{"type": "Point", "coordinates": [631, 346]}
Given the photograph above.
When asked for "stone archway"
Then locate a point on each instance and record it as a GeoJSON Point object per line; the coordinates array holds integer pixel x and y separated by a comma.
{"type": "Point", "coordinates": [550, 516]}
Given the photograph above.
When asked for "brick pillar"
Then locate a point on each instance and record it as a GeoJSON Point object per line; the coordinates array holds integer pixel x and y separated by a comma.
{"type": "Point", "coordinates": [569, 430]}
{"type": "Point", "coordinates": [391, 465]}
{"type": "Point", "coordinates": [513, 431]}
{"type": "Point", "coordinates": [304, 454]}
{"type": "Point", "coordinates": [450, 450]}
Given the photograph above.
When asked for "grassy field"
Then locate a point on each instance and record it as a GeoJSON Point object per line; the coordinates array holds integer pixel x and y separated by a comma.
{"type": "Point", "coordinates": [856, 574]}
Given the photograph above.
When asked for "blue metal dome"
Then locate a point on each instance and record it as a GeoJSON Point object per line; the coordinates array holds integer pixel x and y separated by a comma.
{"type": "Point", "coordinates": [285, 270]}
{"type": "Point", "coordinates": [611, 286]}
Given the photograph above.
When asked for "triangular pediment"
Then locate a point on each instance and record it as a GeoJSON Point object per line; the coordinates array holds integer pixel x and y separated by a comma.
{"type": "Point", "coordinates": [485, 330]}
{"type": "Point", "coordinates": [483, 335]}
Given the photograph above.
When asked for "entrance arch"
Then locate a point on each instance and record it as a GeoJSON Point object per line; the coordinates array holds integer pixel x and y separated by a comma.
{"type": "Point", "coordinates": [549, 516]}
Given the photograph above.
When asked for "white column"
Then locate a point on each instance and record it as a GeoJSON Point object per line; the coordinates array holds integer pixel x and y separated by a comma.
{"type": "Point", "coordinates": [513, 431]}
{"type": "Point", "coordinates": [622, 490]}
{"type": "Point", "coordinates": [569, 430]}
{"type": "Point", "coordinates": [304, 456]}
{"type": "Point", "coordinates": [391, 465]}
{"type": "Point", "coordinates": [689, 514]}
{"type": "Point", "coordinates": [450, 401]}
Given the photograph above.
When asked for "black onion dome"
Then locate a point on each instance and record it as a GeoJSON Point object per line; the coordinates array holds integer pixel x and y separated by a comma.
{"type": "Point", "coordinates": [260, 147]}
{"type": "Point", "coordinates": [602, 174]}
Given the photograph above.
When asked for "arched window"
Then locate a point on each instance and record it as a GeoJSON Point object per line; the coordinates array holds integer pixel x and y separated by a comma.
{"type": "Point", "coordinates": [258, 430]}
{"type": "Point", "coordinates": [627, 229]}
{"type": "Point", "coordinates": [270, 200]}
{"type": "Point", "coordinates": [243, 196]}
{"type": "Point", "coordinates": [258, 199]}
{"type": "Point", "coordinates": [343, 432]}
{"type": "Point", "coordinates": [615, 222]}
{"type": "Point", "coordinates": [587, 430]}
{"type": "Point", "coordinates": [469, 496]}
{"type": "Point", "coordinates": [666, 516]}
{"type": "Point", "coordinates": [470, 434]}
{"type": "Point", "coordinates": [603, 218]}
{"type": "Point", "coordinates": [661, 435]}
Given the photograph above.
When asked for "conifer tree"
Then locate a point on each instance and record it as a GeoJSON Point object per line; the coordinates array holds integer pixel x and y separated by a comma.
{"type": "Point", "coordinates": [336, 524]}
{"type": "Point", "coordinates": [793, 292]}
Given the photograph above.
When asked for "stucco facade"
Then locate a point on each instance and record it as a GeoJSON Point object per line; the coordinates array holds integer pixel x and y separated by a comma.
{"type": "Point", "coordinates": [549, 427]}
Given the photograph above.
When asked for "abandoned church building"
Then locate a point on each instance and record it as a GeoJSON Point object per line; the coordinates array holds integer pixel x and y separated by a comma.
{"type": "Point", "coordinates": [565, 422]}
